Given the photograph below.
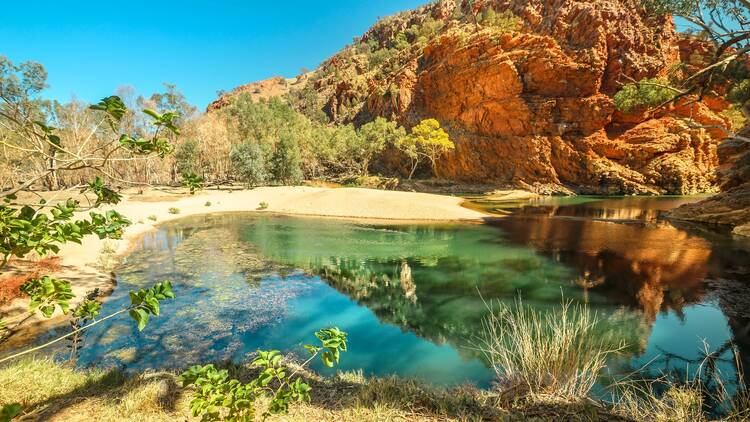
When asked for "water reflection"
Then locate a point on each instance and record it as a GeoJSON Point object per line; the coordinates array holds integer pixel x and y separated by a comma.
{"type": "Point", "coordinates": [689, 284]}
{"type": "Point", "coordinates": [410, 295]}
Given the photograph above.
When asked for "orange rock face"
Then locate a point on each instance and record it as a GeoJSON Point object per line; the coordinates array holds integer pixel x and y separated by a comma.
{"type": "Point", "coordinates": [535, 109]}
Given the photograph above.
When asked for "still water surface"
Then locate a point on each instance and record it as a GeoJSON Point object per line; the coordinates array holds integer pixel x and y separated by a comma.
{"type": "Point", "coordinates": [409, 295]}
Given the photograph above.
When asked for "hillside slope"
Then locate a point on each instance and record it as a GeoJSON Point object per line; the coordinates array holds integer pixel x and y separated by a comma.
{"type": "Point", "coordinates": [525, 89]}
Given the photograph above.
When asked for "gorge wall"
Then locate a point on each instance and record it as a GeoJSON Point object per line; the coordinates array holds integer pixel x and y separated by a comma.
{"type": "Point", "coordinates": [528, 104]}
{"type": "Point", "coordinates": [533, 108]}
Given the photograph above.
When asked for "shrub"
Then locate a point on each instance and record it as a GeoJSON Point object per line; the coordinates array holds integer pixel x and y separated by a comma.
{"type": "Point", "coordinates": [262, 205]}
{"type": "Point", "coordinates": [504, 21]}
{"type": "Point", "coordinates": [207, 204]}
{"type": "Point", "coordinates": [286, 161]}
{"type": "Point", "coordinates": [216, 397]}
{"type": "Point", "coordinates": [644, 93]}
{"type": "Point", "coordinates": [174, 210]}
{"type": "Point", "coordinates": [193, 182]}
{"type": "Point", "coordinates": [556, 353]}
{"type": "Point", "coordinates": [249, 162]}
{"type": "Point", "coordinates": [152, 217]}
{"type": "Point", "coordinates": [187, 156]}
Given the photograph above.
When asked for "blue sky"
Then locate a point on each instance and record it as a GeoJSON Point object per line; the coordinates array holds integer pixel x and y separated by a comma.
{"type": "Point", "coordinates": [91, 48]}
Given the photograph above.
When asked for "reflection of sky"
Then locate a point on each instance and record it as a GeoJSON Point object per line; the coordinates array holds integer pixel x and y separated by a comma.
{"type": "Point", "coordinates": [221, 313]}
{"type": "Point", "coordinates": [683, 336]}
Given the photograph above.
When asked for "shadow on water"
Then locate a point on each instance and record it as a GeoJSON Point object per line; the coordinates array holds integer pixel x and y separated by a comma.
{"type": "Point", "coordinates": [409, 295]}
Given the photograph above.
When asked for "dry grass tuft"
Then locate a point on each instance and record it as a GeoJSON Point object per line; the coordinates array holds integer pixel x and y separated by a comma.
{"type": "Point", "coordinates": [539, 354]}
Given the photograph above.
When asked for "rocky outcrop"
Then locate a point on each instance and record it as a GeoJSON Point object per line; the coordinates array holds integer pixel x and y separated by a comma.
{"type": "Point", "coordinates": [732, 206]}
{"type": "Point", "coordinates": [260, 90]}
{"type": "Point", "coordinates": [534, 108]}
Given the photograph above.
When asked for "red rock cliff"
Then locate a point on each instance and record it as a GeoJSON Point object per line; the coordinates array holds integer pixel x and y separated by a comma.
{"type": "Point", "coordinates": [534, 108]}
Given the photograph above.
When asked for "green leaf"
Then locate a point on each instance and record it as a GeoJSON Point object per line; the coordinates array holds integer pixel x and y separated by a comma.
{"type": "Point", "coordinates": [140, 316]}
{"type": "Point", "coordinates": [9, 411]}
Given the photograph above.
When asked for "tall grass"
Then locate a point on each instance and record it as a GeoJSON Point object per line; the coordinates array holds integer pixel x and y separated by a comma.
{"type": "Point", "coordinates": [539, 354]}
{"type": "Point", "coordinates": [703, 395]}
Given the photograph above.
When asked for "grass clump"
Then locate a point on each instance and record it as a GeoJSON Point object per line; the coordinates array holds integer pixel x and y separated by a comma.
{"type": "Point", "coordinates": [207, 204]}
{"type": "Point", "coordinates": [107, 258]}
{"type": "Point", "coordinates": [173, 210]}
{"type": "Point", "coordinates": [152, 217]}
{"type": "Point", "coordinates": [544, 354]}
{"type": "Point", "coordinates": [262, 205]}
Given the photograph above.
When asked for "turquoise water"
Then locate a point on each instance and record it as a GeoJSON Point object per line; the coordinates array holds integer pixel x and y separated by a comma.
{"type": "Point", "coordinates": [412, 297]}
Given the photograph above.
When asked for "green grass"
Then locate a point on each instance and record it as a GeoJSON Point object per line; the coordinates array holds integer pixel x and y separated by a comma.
{"type": "Point", "coordinates": [174, 210]}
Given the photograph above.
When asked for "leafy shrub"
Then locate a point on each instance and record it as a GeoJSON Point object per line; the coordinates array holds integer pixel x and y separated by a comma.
{"type": "Point", "coordinates": [193, 182]}
{"type": "Point", "coordinates": [739, 92]}
{"type": "Point", "coordinates": [25, 230]}
{"type": "Point", "coordinates": [216, 397]}
{"type": "Point", "coordinates": [644, 93]}
{"type": "Point", "coordinates": [174, 210]}
{"type": "Point", "coordinates": [46, 293]}
{"type": "Point", "coordinates": [187, 156]}
{"type": "Point", "coordinates": [262, 205]}
{"type": "Point", "coordinates": [286, 161]}
{"type": "Point", "coordinates": [207, 204]}
{"type": "Point", "coordinates": [504, 21]}
{"type": "Point", "coordinates": [249, 162]}
{"type": "Point", "coordinates": [152, 217]}
{"type": "Point", "coordinates": [427, 140]}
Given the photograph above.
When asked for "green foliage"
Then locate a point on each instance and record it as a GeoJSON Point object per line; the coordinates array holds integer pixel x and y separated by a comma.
{"type": "Point", "coordinates": [249, 162]}
{"type": "Point", "coordinates": [739, 93]}
{"type": "Point", "coordinates": [104, 194]}
{"type": "Point", "coordinates": [333, 341]}
{"type": "Point", "coordinates": [19, 82]}
{"type": "Point", "coordinates": [644, 93]}
{"type": "Point", "coordinates": [186, 156]}
{"type": "Point", "coordinates": [504, 21]}
{"type": "Point", "coordinates": [46, 293]}
{"type": "Point", "coordinates": [374, 136]}
{"type": "Point", "coordinates": [207, 204]}
{"type": "Point", "coordinates": [286, 161]}
{"type": "Point", "coordinates": [671, 7]}
{"type": "Point", "coordinates": [25, 230]}
{"type": "Point", "coordinates": [152, 217]}
{"type": "Point", "coordinates": [87, 309]}
{"type": "Point", "coordinates": [145, 302]}
{"type": "Point", "coordinates": [173, 210]}
{"type": "Point", "coordinates": [427, 140]}
{"type": "Point", "coordinates": [172, 100]}
{"type": "Point", "coordinates": [218, 398]}
{"type": "Point", "coordinates": [380, 57]}
{"type": "Point", "coordinates": [262, 205]}
{"type": "Point", "coordinates": [114, 109]}
{"type": "Point", "coordinates": [9, 411]}
{"type": "Point", "coordinates": [193, 182]}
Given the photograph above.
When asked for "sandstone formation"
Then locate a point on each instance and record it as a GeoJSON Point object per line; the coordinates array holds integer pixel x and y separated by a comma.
{"type": "Point", "coordinates": [732, 206]}
{"type": "Point", "coordinates": [534, 108]}
{"type": "Point", "coordinates": [531, 106]}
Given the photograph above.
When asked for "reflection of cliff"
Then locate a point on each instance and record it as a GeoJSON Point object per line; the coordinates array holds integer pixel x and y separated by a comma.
{"type": "Point", "coordinates": [652, 269]}
{"type": "Point", "coordinates": [445, 312]}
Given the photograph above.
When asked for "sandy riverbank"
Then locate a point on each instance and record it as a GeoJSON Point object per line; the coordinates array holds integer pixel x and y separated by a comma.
{"type": "Point", "coordinates": [148, 209]}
